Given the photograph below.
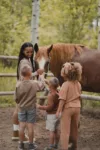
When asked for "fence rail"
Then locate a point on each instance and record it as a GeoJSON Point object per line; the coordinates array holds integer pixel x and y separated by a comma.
{"type": "Point", "coordinates": [14, 74]}
{"type": "Point", "coordinates": [83, 96]}
{"type": "Point", "coordinates": [86, 97]}
{"type": "Point", "coordinates": [8, 57]}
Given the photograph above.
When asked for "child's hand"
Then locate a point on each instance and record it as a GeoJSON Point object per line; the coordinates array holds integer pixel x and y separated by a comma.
{"type": "Point", "coordinates": [58, 114]}
{"type": "Point", "coordinates": [38, 106]}
{"type": "Point", "coordinates": [46, 81]}
{"type": "Point", "coordinates": [40, 71]}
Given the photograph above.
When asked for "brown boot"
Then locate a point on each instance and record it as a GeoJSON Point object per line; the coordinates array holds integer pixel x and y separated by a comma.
{"type": "Point", "coordinates": [15, 136]}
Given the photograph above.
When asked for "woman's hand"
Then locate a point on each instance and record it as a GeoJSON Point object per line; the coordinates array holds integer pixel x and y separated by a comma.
{"type": "Point", "coordinates": [40, 71]}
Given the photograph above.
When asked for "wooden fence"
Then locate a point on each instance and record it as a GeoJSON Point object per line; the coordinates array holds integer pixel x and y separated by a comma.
{"type": "Point", "coordinates": [4, 93]}
{"type": "Point", "coordinates": [83, 96]}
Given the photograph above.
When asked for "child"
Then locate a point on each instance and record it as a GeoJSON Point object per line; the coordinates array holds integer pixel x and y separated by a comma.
{"type": "Point", "coordinates": [25, 97]}
{"type": "Point", "coordinates": [52, 122]}
{"type": "Point", "coordinates": [69, 104]}
{"type": "Point", "coordinates": [25, 58]}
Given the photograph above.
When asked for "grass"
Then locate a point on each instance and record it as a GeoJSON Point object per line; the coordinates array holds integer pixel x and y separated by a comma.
{"type": "Point", "coordinates": [91, 103]}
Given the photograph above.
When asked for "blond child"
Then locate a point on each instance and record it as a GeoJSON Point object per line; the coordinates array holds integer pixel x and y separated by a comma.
{"type": "Point", "coordinates": [25, 97]}
{"type": "Point", "coordinates": [52, 122]}
{"type": "Point", "coordinates": [69, 105]}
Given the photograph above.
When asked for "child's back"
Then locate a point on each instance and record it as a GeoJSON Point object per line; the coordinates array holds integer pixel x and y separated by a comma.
{"type": "Point", "coordinates": [71, 94]}
{"type": "Point", "coordinates": [53, 102]}
{"type": "Point", "coordinates": [26, 93]}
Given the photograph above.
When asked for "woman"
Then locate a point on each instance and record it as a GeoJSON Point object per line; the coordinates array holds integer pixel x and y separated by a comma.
{"type": "Point", "coordinates": [25, 58]}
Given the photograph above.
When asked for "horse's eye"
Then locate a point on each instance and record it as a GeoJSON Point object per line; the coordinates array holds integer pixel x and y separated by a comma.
{"type": "Point", "coordinates": [72, 64]}
{"type": "Point", "coordinates": [63, 66]}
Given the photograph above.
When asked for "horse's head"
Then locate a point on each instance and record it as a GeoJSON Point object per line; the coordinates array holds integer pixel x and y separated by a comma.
{"type": "Point", "coordinates": [42, 57]}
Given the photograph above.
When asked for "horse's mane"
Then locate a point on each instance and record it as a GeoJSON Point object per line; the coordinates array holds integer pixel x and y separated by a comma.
{"type": "Point", "coordinates": [62, 53]}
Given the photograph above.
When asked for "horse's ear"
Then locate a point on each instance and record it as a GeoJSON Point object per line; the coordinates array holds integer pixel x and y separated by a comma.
{"type": "Point", "coordinates": [49, 49]}
{"type": "Point", "coordinates": [36, 48]}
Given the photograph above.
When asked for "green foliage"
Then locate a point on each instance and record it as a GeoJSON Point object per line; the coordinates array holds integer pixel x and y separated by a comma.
{"type": "Point", "coordinates": [60, 21]}
{"type": "Point", "coordinates": [15, 22]}
{"type": "Point", "coordinates": [67, 21]}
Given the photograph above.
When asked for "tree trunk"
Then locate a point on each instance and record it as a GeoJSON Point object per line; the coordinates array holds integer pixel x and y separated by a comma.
{"type": "Point", "coordinates": [35, 20]}
{"type": "Point", "coordinates": [99, 25]}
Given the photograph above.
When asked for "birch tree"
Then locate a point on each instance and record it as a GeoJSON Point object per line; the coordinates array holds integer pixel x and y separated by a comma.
{"type": "Point", "coordinates": [35, 20]}
{"type": "Point", "coordinates": [99, 25]}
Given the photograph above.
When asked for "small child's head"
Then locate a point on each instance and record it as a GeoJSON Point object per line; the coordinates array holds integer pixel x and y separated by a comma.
{"type": "Point", "coordinates": [53, 83]}
{"type": "Point", "coordinates": [26, 71]}
{"type": "Point", "coordinates": [71, 71]}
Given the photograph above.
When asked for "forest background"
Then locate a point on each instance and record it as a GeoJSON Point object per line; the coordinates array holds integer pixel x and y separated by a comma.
{"type": "Point", "coordinates": [67, 21]}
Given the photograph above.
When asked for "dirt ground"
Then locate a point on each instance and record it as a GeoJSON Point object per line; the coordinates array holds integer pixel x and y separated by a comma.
{"type": "Point", "coordinates": [89, 132]}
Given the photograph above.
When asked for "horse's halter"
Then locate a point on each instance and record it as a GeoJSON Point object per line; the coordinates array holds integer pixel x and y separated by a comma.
{"type": "Point", "coordinates": [48, 66]}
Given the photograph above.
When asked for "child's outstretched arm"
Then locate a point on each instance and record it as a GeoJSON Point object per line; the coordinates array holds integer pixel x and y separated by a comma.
{"type": "Point", "coordinates": [49, 106]}
{"type": "Point", "coordinates": [38, 72]}
{"type": "Point", "coordinates": [41, 107]}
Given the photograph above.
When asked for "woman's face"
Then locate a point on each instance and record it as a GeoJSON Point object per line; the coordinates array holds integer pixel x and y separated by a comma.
{"type": "Point", "coordinates": [28, 52]}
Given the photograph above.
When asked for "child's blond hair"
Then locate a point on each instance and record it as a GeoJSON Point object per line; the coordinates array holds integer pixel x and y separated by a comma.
{"type": "Point", "coordinates": [54, 82]}
{"type": "Point", "coordinates": [72, 71]}
{"type": "Point", "coordinates": [25, 70]}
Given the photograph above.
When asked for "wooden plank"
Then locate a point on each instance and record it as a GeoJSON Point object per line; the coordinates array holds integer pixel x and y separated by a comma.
{"type": "Point", "coordinates": [90, 97]}
{"type": "Point", "coordinates": [8, 74]}
{"type": "Point", "coordinates": [8, 57]}
{"type": "Point", "coordinates": [6, 93]}
{"type": "Point", "coordinates": [85, 97]}
{"type": "Point", "coordinates": [14, 74]}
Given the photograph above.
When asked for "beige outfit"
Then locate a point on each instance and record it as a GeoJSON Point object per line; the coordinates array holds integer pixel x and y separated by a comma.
{"type": "Point", "coordinates": [70, 93]}
{"type": "Point", "coordinates": [25, 94]}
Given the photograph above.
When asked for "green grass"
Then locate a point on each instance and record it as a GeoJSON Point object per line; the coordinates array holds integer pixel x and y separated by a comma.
{"type": "Point", "coordinates": [91, 103]}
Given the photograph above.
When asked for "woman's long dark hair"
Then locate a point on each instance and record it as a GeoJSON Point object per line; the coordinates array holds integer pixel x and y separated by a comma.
{"type": "Point", "coordinates": [22, 55]}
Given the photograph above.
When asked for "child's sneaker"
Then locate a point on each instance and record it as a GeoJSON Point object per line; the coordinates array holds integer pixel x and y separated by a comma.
{"type": "Point", "coordinates": [32, 146]}
{"type": "Point", "coordinates": [49, 148]}
{"type": "Point", "coordinates": [55, 146]}
{"type": "Point", "coordinates": [21, 146]}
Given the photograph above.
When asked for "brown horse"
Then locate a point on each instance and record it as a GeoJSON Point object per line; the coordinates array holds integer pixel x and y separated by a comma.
{"type": "Point", "coordinates": [56, 55]}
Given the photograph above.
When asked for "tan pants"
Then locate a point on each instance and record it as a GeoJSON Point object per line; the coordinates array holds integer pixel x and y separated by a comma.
{"type": "Point", "coordinates": [69, 127]}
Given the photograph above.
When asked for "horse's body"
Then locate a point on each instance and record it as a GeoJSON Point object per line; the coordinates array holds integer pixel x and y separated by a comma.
{"type": "Point", "coordinates": [58, 54]}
